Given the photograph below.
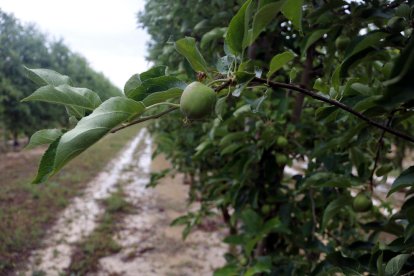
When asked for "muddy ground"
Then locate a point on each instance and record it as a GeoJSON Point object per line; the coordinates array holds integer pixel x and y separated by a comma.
{"type": "Point", "coordinates": [148, 245]}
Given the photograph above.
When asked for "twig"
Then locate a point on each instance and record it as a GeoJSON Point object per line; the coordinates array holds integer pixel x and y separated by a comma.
{"type": "Point", "coordinates": [316, 96]}
{"type": "Point", "coordinates": [378, 154]}
{"type": "Point", "coordinates": [223, 85]}
{"type": "Point", "coordinates": [143, 119]}
{"type": "Point", "coordinates": [408, 273]}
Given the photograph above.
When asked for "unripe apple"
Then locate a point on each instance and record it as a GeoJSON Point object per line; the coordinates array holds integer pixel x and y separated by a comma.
{"type": "Point", "coordinates": [342, 42]}
{"type": "Point", "coordinates": [266, 209]}
{"type": "Point", "coordinates": [281, 159]}
{"type": "Point", "coordinates": [281, 141]}
{"type": "Point", "coordinates": [362, 202]}
{"type": "Point", "coordinates": [197, 100]}
{"type": "Point", "coordinates": [243, 261]}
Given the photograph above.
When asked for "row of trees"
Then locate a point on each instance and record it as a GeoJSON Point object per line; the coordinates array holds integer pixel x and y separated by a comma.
{"type": "Point", "coordinates": [326, 84]}
{"type": "Point", "coordinates": [358, 53]}
{"type": "Point", "coordinates": [24, 45]}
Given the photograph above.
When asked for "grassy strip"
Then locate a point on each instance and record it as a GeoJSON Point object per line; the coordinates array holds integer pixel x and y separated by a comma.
{"type": "Point", "coordinates": [100, 243]}
{"type": "Point", "coordinates": [25, 209]}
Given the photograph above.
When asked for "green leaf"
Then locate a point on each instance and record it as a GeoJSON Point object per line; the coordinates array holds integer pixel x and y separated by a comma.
{"type": "Point", "coordinates": [67, 95]}
{"type": "Point", "coordinates": [229, 270]}
{"type": "Point", "coordinates": [46, 165]}
{"type": "Point", "coordinates": [154, 72]}
{"type": "Point", "coordinates": [136, 80]}
{"type": "Point", "coordinates": [46, 76]}
{"type": "Point", "coordinates": [315, 36]}
{"type": "Point", "coordinates": [349, 266]}
{"type": "Point", "coordinates": [201, 147]}
{"type": "Point", "coordinates": [242, 110]}
{"type": "Point", "coordinates": [244, 77]}
{"type": "Point", "coordinates": [158, 97]}
{"type": "Point", "coordinates": [133, 82]}
{"type": "Point", "coordinates": [278, 61]}
{"type": "Point", "coordinates": [399, 86]}
{"type": "Point", "coordinates": [369, 40]}
{"type": "Point", "coordinates": [383, 170]}
{"type": "Point", "coordinates": [292, 9]}
{"type": "Point", "coordinates": [321, 86]}
{"type": "Point", "coordinates": [405, 179]}
{"type": "Point", "coordinates": [216, 33]}
{"type": "Point", "coordinates": [252, 221]}
{"type": "Point", "coordinates": [409, 230]}
{"type": "Point", "coordinates": [233, 137]}
{"type": "Point", "coordinates": [152, 85]}
{"type": "Point", "coordinates": [367, 103]}
{"type": "Point", "coordinates": [237, 32]}
{"type": "Point", "coordinates": [326, 179]}
{"type": "Point", "coordinates": [380, 265]}
{"type": "Point", "coordinates": [262, 18]}
{"type": "Point", "coordinates": [230, 149]}
{"type": "Point", "coordinates": [220, 108]}
{"type": "Point", "coordinates": [44, 137]}
{"type": "Point", "coordinates": [336, 78]}
{"type": "Point", "coordinates": [396, 264]}
{"type": "Point", "coordinates": [90, 129]}
{"type": "Point", "coordinates": [403, 64]}
{"type": "Point", "coordinates": [274, 225]}
{"type": "Point", "coordinates": [187, 47]}
{"type": "Point", "coordinates": [264, 265]}
{"type": "Point", "coordinates": [333, 208]}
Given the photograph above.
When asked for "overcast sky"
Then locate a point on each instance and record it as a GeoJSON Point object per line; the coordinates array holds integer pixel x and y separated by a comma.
{"type": "Point", "coordinates": [103, 31]}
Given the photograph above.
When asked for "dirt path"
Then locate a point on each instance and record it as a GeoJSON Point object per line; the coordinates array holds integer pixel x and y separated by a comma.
{"type": "Point", "coordinates": [78, 220]}
{"type": "Point", "coordinates": [149, 245]}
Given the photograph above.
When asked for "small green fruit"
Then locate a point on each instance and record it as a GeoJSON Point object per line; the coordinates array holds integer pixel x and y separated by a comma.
{"type": "Point", "coordinates": [342, 42]}
{"type": "Point", "coordinates": [281, 141]}
{"type": "Point", "coordinates": [396, 24]}
{"type": "Point", "coordinates": [281, 159]}
{"type": "Point", "coordinates": [243, 261]}
{"type": "Point", "coordinates": [197, 100]}
{"type": "Point", "coordinates": [362, 202]}
{"type": "Point", "coordinates": [266, 209]}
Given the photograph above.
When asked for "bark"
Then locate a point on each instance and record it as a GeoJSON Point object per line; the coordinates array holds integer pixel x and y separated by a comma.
{"type": "Point", "coordinates": [305, 82]}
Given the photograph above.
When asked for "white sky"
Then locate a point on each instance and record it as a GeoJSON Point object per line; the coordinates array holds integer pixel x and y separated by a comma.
{"type": "Point", "coordinates": [103, 31]}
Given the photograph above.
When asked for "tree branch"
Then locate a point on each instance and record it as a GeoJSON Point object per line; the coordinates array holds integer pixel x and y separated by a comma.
{"type": "Point", "coordinates": [223, 85]}
{"type": "Point", "coordinates": [378, 154]}
{"type": "Point", "coordinates": [143, 119]}
{"type": "Point", "coordinates": [342, 106]}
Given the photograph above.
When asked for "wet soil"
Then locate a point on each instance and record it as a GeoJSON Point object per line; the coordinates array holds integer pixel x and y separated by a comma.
{"type": "Point", "coordinates": [149, 246]}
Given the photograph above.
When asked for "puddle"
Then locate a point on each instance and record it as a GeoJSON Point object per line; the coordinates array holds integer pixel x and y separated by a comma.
{"type": "Point", "coordinates": [78, 220]}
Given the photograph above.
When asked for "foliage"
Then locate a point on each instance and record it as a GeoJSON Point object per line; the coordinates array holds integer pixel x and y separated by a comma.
{"type": "Point", "coordinates": [336, 143]}
{"type": "Point", "coordinates": [23, 45]}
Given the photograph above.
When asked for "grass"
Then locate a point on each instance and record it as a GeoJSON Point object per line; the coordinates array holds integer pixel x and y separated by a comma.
{"type": "Point", "coordinates": [100, 243]}
{"type": "Point", "coordinates": [25, 209]}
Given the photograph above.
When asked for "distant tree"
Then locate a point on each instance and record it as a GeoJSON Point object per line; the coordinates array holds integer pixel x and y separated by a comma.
{"type": "Point", "coordinates": [24, 45]}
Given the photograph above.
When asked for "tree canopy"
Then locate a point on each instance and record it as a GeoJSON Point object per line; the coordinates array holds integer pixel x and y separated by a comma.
{"type": "Point", "coordinates": [305, 154]}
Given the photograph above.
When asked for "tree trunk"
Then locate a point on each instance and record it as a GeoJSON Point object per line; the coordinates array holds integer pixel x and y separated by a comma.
{"type": "Point", "coordinates": [305, 82]}
{"type": "Point", "coordinates": [16, 143]}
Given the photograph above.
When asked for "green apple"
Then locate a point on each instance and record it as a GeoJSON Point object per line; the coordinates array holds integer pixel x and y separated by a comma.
{"type": "Point", "coordinates": [362, 202]}
{"type": "Point", "coordinates": [197, 100]}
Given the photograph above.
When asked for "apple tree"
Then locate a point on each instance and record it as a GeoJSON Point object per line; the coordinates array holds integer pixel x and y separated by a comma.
{"type": "Point", "coordinates": [296, 118]}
